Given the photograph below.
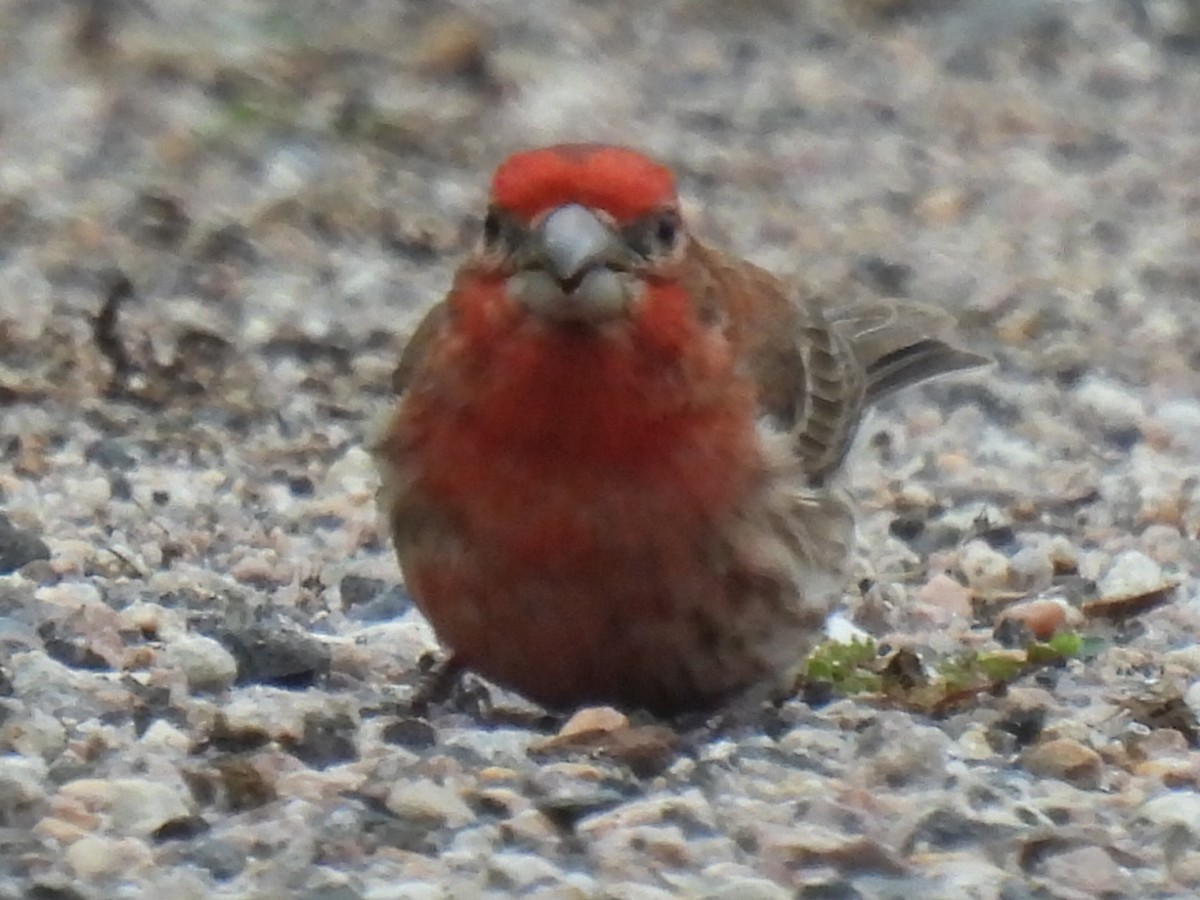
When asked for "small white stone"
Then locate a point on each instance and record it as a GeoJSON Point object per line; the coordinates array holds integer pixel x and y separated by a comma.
{"type": "Point", "coordinates": [631, 890]}
{"type": "Point", "coordinates": [1192, 697]}
{"type": "Point", "coordinates": [91, 493]}
{"type": "Point", "coordinates": [1181, 420]}
{"type": "Point", "coordinates": [22, 781]}
{"type": "Point", "coordinates": [204, 662]}
{"type": "Point", "coordinates": [841, 630]}
{"type": "Point", "coordinates": [732, 881]}
{"type": "Point", "coordinates": [1131, 573]}
{"type": "Point", "coordinates": [152, 619]}
{"type": "Point", "coordinates": [433, 802]}
{"type": "Point", "coordinates": [522, 870]}
{"type": "Point", "coordinates": [1163, 543]}
{"type": "Point", "coordinates": [135, 806]}
{"type": "Point", "coordinates": [410, 890]}
{"type": "Point", "coordinates": [69, 594]}
{"type": "Point", "coordinates": [353, 474]}
{"type": "Point", "coordinates": [162, 737]}
{"type": "Point", "coordinates": [984, 568]}
{"type": "Point", "coordinates": [973, 745]}
{"type": "Point", "coordinates": [37, 735]}
{"type": "Point", "coordinates": [1114, 404]}
{"type": "Point", "coordinates": [1032, 568]}
{"type": "Point", "coordinates": [96, 856]}
{"type": "Point", "coordinates": [1174, 809]}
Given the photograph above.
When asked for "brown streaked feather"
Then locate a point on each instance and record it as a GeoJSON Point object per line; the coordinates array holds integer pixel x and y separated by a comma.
{"type": "Point", "coordinates": [819, 368]}
{"type": "Point", "coordinates": [900, 343]}
{"type": "Point", "coordinates": [760, 320]}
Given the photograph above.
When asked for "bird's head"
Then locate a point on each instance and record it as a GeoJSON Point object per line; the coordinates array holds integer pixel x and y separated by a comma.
{"type": "Point", "coordinates": [577, 231]}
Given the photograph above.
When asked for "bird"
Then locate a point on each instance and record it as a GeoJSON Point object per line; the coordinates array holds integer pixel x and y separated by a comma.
{"type": "Point", "coordinates": [614, 470]}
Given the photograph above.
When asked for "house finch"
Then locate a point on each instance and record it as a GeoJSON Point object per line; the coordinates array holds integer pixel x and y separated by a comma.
{"type": "Point", "coordinates": [609, 477]}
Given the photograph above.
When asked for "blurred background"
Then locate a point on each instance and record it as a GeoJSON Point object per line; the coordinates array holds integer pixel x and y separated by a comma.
{"type": "Point", "coordinates": [266, 171]}
{"type": "Point", "coordinates": [219, 221]}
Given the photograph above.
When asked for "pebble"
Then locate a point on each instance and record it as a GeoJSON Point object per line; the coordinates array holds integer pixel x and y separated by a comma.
{"type": "Point", "coordinates": [592, 719]}
{"type": "Point", "coordinates": [22, 787]}
{"type": "Point", "coordinates": [412, 733]}
{"type": "Point", "coordinates": [152, 619]}
{"type": "Point", "coordinates": [36, 734]}
{"type": "Point", "coordinates": [225, 492]}
{"type": "Point", "coordinates": [277, 654]}
{"type": "Point", "coordinates": [1068, 760]}
{"type": "Point", "coordinates": [134, 806]}
{"type": "Point", "coordinates": [1031, 569]}
{"type": "Point", "coordinates": [73, 557]}
{"type": "Point", "coordinates": [18, 546]}
{"type": "Point", "coordinates": [897, 750]}
{"type": "Point", "coordinates": [1115, 405]}
{"type": "Point", "coordinates": [1185, 868]}
{"type": "Point", "coordinates": [732, 881]}
{"type": "Point", "coordinates": [411, 890]}
{"type": "Point", "coordinates": [1180, 419]}
{"type": "Point", "coordinates": [221, 858]}
{"type": "Point", "coordinates": [1063, 554]}
{"type": "Point", "coordinates": [438, 805]}
{"type": "Point", "coordinates": [1174, 773]}
{"type": "Point", "coordinates": [352, 476]}
{"type": "Point", "coordinates": [973, 744]}
{"type": "Point", "coordinates": [1043, 618]}
{"type": "Point", "coordinates": [1130, 574]}
{"type": "Point", "coordinates": [1090, 870]}
{"type": "Point", "coordinates": [632, 890]}
{"type": "Point", "coordinates": [96, 856]}
{"type": "Point", "coordinates": [92, 494]}
{"type": "Point", "coordinates": [986, 570]}
{"type": "Point", "coordinates": [809, 846]}
{"type": "Point", "coordinates": [1164, 544]}
{"type": "Point", "coordinates": [971, 879]}
{"type": "Point", "coordinates": [162, 737]}
{"type": "Point", "coordinates": [520, 871]}
{"type": "Point", "coordinates": [263, 569]}
{"type": "Point", "coordinates": [1174, 809]}
{"type": "Point", "coordinates": [945, 597]}
{"type": "Point", "coordinates": [204, 662]}
{"type": "Point", "coordinates": [110, 453]}
{"type": "Point", "coordinates": [1192, 698]}
{"type": "Point", "coordinates": [72, 595]}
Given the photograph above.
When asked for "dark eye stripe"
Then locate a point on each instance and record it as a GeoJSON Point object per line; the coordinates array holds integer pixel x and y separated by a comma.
{"type": "Point", "coordinates": [500, 231]}
{"type": "Point", "coordinates": [668, 230]}
{"type": "Point", "coordinates": [492, 227]}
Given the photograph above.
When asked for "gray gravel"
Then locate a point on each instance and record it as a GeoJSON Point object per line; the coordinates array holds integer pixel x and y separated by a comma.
{"type": "Point", "coordinates": [218, 222]}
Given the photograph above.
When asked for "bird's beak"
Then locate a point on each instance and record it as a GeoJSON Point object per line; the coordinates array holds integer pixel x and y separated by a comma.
{"type": "Point", "coordinates": [573, 268]}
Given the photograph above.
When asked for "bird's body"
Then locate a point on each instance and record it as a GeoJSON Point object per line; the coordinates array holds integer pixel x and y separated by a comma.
{"type": "Point", "coordinates": [610, 474]}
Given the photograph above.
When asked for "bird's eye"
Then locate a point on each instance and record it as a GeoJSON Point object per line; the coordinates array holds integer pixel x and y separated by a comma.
{"type": "Point", "coordinates": [491, 228]}
{"type": "Point", "coordinates": [666, 231]}
{"type": "Point", "coordinates": [657, 235]}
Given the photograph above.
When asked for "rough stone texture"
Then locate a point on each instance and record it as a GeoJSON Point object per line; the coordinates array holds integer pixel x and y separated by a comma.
{"type": "Point", "coordinates": [220, 220]}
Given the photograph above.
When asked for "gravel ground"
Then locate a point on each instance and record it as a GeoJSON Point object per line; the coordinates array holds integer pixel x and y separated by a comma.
{"type": "Point", "coordinates": [218, 223]}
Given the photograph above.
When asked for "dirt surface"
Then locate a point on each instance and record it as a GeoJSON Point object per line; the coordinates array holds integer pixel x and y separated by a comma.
{"type": "Point", "coordinates": [218, 223]}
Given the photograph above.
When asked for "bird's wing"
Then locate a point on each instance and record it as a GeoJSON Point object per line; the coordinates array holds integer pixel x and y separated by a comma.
{"type": "Point", "coordinates": [899, 343]}
{"type": "Point", "coordinates": [818, 367]}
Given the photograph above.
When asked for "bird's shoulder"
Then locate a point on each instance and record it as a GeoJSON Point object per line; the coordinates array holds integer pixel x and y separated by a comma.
{"type": "Point", "coordinates": [430, 326]}
{"type": "Point", "coordinates": [763, 320]}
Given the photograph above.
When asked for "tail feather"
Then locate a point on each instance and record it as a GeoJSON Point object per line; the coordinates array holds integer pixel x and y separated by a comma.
{"type": "Point", "coordinates": [899, 344]}
{"type": "Point", "coordinates": [917, 362]}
